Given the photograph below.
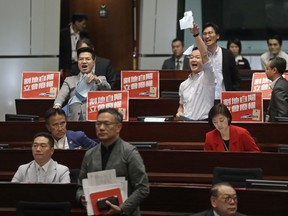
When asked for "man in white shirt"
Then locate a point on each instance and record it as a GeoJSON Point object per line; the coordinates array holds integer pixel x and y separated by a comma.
{"type": "Point", "coordinates": [274, 45]}
{"type": "Point", "coordinates": [198, 91]}
{"type": "Point", "coordinates": [226, 73]}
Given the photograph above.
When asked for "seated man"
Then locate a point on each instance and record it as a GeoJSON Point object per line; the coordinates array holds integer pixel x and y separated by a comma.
{"type": "Point", "coordinates": [198, 91]}
{"type": "Point", "coordinates": [223, 200]}
{"type": "Point", "coordinates": [178, 61]}
{"type": "Point", "coordinates": [102, 67]}
{"type": "Point", "coordinates": [274, 45]}
{"type": "Point", "coordinates": [115, 153]}
{"type": "Point", "coordinates": [76, 88]}
{"type": "Point", "coordinates": [43, 169]}
{"type": "Point", "coordinates": [55, 120]}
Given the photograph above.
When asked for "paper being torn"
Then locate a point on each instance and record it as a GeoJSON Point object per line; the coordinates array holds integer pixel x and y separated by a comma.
{"type": "Point", "coordinates": [187, 21]}
{"type": "Point", "coordinates": [188, 51]}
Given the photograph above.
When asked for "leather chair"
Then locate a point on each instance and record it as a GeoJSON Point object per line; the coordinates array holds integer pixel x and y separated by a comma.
{"type": "Point", "coordinates": [235, 176]}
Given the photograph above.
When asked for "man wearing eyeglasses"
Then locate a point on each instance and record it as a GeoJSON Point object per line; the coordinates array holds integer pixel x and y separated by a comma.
{"type": "Point", "coordinates": [56, 122]}
{"type": "Point", "coordinates": [43, 169]}
{"type": "Point", "coordinates": [223, 201]}
{"type": "Point", "coordinates": [115, 153]}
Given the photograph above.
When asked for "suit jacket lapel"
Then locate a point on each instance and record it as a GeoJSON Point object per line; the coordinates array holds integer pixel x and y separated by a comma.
{"type": "Point", "coordinates": [51, 172]}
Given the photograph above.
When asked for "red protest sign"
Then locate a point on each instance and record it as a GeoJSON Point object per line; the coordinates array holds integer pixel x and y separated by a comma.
{"type": "Point", "coordinates": [40, 85]}
{"type": "Point", "coordinates": [244, 106]}
{"type": "Point", "coordinates": [97, 100]}
{"type": "Point", "coordinates": [260, 83]}
{"type": "Point", "coordinates": [141, 84]}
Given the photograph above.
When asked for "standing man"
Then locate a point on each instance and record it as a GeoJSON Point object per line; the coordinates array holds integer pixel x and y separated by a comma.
{"type": "Point", "coordinates": [223, 200]}
{"type": "Point", "coordinates": [76, 88]}
{"type": "Point", "coordinates": [56, 122]}
{"type": "Point", "coordinates": [198, 90]}
{"type": "Point", "coordinates": [178, 61]}
{"type": "Point", "coordinates": [274, 45]}
{"type": "Point", "coordinates": [43, 169]}
{"type": "Point", "coordinates": [226, 74]}
{"type": "Point", "coordinates": [115, 153]}
{"type": "Point", "coordinates": [68, 39]}
{"type": "Point", "coordinates": [278, 106]}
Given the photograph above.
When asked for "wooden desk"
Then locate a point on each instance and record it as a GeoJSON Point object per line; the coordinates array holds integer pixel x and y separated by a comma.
{"type": "Point", "coordinates": [137, 107]}
{"type": "Point", "coordinates": [165, 165]}
{"type": "Point", "coordinates": [273, 133]}
{"type": "Point", "coordinates": [170, 198]}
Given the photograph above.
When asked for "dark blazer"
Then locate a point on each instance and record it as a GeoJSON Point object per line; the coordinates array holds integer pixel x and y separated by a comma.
{"type": "Point", "coordinates": [243, 64]}
{"type": "Point", "coordinates": [65, 52]}
{"type": "Point", "coordinates": [79, 140]}
{"type": "Point", "coordinates": [279, 100]}
{"type": "Point", "coordinates": [127, 162]}
{"type": "Point", "coordinates": [170, 64]}
{"type": "Point", "coordinates": [240, 141]}
{"type": "Point", "coordinates": [231, 76]}
{"type": "Point", "coordinates": [209, 212]}
{"type": "Point", "coordinates": [103, 67]}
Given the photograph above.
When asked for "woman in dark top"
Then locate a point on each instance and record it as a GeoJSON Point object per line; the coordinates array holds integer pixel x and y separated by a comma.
{"type": "Point", "coordinates": [234, 45]}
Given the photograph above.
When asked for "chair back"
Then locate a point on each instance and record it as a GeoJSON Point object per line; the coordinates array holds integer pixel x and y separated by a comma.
{"type": "Point", "coordinates": [74, 174]}
{"type": "Point", "coordinates": [43, 208]}
{"type": "Point", "coordinates": [235, 176]}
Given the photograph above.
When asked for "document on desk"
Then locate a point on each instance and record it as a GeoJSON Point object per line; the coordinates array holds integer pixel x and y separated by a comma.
{"type": "Point", "coordinates": [151, 119]}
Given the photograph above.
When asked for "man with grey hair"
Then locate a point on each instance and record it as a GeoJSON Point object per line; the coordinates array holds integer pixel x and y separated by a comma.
{"type": "Point", "coordinates": [278, 106]}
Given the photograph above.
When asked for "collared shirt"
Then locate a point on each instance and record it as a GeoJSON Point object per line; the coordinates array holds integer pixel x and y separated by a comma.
{"type": "Point", "coordinates": [265, 57]}
{"type": "Point", "coordinates": [40, 175]}
{"type": "Point", "coordinates": [74, 38]}
{"type": "Point", "coordinates": [216, 59]}
{"type": "Point", "coordinates": [274, 82]}
{"type": "Point", "coordinates": [105, 154]}
{"type": "Point", "coordinates": [215, 213]}
{"type": "Point", "coordinates": [197, 93]}
{"type": "Point", "coordinates": [61, 143]}
{"type": "Point", "coordinates": [181, 62]}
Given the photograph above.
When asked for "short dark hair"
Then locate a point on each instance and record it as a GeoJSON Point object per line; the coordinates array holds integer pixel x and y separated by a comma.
{"type": "Point", "coordinates": [46, 135]}
{"type": "Point", "coordinates": [118, 116]}
{"type": "Point", "coordinates": [275, 37]}
{"type": "Point", "coordinates": [219, 109]}
{"type": "Point", "coordinates": [178, 39]}
{"type": "Point", "coordinates": [279, 63]}
{"type": "Point", "coordinates": [86, 41]}
{"type": "Point", "coordinates": [213, 25]}
{"type": "Point", "coordinates": [79, 17]}
{"type": "Point", "coordinates": [215, 188]}
{"type": "Point", "coordinates": [85, 49]}
{"type": "Point", "coordinates": [53, 112]}
{"type": "Point", "coordinates": [235, 41]}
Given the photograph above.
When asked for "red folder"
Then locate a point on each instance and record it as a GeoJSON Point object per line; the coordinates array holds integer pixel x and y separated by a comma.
{"type": "Point", "coordinates": [104, 194]}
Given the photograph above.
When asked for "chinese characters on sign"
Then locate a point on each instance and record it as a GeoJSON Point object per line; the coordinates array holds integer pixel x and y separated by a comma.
{"type": "Point", "coordinates": [244, 106]}
{"type": "Point", "coordinates": [260, 83]}
{"type": "Point", "coordinates": [97, 100]}
{"type": "Point", "coordinates": [40, 85]}
{"type": "Point", "coordinates": [140, 84]}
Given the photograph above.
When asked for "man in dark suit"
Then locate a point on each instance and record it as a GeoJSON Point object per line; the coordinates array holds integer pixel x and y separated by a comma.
{"type": "Point", "coordinates": [226, 72]}
{"type": "Point", "coordinates": [178, 61]}
{"type": "Point", "coordinates": [115, 153]}
{"type": "Point", "coordinates": [56, 122]}
{"type": "Point", "coordinates": [223, 200]}
{"type": "Point", "coordinates": [68, 39]}
{"type": "Point", "coordinates": [278, 106]}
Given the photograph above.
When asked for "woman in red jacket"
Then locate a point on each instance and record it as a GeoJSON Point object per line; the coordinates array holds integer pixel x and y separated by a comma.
{"type": "Point", "coordinates": [227, 137]}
